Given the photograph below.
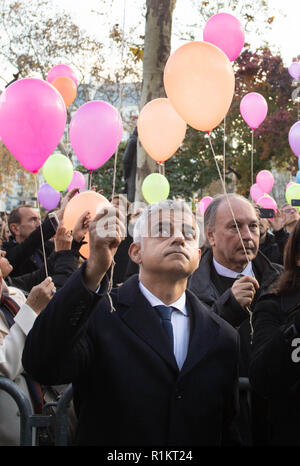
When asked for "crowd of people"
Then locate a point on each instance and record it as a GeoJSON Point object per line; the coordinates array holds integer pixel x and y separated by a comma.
{"type": "Point", "coordinates": [155, 328]}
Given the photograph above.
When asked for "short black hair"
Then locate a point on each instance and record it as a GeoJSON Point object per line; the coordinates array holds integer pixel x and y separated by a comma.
{"type": "Point", "coordinates": [15, 216]}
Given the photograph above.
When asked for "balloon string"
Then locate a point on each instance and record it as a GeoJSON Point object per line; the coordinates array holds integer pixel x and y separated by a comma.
{"type": "Point", "coordinates": [236, 225]}
{"type": "Point", "coordinates": [227, 198]}
{"type": "Point", "coordinates": [120, 100]}
{"type": "Point", "coordinates": [252, 141]}
{"type": "Point", "coordinates": [116, 153]}
{"type": "Point", "coordinates": [68, 142]}
{"type": "Point", "coordinates": [110, 286]}
{"type": "Point", "coordinates": [42, 236]}
{"type": "Point", "coordinates": [90, 179]}
{"type": "Point", "coordinates": [224, 151]}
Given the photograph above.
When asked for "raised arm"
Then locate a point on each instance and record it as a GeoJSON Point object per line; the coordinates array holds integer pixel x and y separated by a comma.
{"type": "Point", "coordinates": [58, 349]}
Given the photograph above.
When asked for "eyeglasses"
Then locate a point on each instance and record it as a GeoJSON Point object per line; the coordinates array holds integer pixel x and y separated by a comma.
{"type": "Point", "coordinates": [289, 211]}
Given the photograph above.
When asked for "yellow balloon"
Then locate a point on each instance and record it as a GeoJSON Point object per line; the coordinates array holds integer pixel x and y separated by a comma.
{"type": "Point", "coordinates": [160, 129]}
{"type": "Point", "coordinates": [199, 82]}
{"type": "Point", "coordinates": [155, 188]}
{"type": "Point", "coordinates": [293, 192]}
{"type": "Point", "coordinates": [58, 171]}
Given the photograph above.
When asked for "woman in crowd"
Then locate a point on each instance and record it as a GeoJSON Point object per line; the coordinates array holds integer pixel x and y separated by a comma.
{"type": "Point", "coordinates": [275, 361]}
{"type": "Point", "coordinates": [4, 231]}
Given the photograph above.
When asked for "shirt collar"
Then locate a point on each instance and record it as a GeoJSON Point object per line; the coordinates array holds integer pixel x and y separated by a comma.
{"type": "Point", "coordinates": [179, 304]}
{"type": "Point", "coordinates": [225, 272]}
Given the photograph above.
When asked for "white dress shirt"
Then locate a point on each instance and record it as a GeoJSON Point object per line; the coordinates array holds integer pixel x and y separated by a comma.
{"type": "Point", "coordinates": [225, 272]}
{"type": "Point", "coordinates": [180, 322]}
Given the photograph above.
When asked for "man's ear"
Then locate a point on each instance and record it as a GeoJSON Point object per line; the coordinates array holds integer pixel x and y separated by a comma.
{"type": "Point", "coordinates": [134, 252]}
{"type": "Point", "coordinates": [210, 237]}
{"type": "Point", "coordinates": [14, 228]}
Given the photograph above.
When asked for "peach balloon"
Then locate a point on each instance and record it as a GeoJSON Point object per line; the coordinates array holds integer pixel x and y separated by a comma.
{"type": "Point", "coordinates": [199, 82]}
{"type": "Point", "coordinates": [67, 88]}
{"type": "Point", "coordinates": [87, 200]}
{"type": "Point", "coordinates": [160, 129]}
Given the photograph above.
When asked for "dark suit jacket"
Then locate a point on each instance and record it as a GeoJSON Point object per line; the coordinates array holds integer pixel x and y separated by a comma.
{"type": "Point", "coordinates": [128, 389]}
{"type": "Point", "coordinates": [21, 255]}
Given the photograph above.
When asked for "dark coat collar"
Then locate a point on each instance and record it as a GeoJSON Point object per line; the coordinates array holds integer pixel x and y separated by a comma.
{"type": "Point", "coordinates": [200, 282]}
{"type": "Point", "coordinates": [135, 310]}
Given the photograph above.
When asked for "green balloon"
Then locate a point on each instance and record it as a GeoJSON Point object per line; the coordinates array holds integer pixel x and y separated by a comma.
{"type": "Point", "coordinates": [58, 171]}
{"type": "Point", "coordinates": [293, 192]}
{"type": "Point", "coordinates": [155, 188]}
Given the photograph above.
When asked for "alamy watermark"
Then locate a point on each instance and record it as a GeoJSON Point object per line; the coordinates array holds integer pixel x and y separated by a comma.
{"type": "Point", "coordinates": [296, 352]}
{"type": "Point", "coordinates": [296, 92]}
{"type": "Point", "coordinates": [159, 221]}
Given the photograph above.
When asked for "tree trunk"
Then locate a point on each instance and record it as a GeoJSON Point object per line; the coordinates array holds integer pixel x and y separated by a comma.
{"type": "Point", "coordinates": [156, 53]}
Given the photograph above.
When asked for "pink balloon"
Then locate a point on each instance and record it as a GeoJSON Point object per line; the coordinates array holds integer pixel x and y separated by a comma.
{"type": "Point", "coordinates": [265, 180]}
{"type": "Point", "coordinates": [294, 69]}
{"type": "Point", "coordinates": [204, 203]}
{"type": "Point", "coordinates": [289, 184]}
{"type": "Point", "coordinates": [61, 70]}
{"type": "Point", "coordinates": [95, 133]}
{"type": "Point", "coordinates": [32, 120]}
{"type": "Point", "coordinates": [225, 31]}
{"type": "Point", "coordinates": [78, 181]}
{"type": "Point", "coordinates": [254, 109]}
{"type": "Point", "coordinates": [48, 197]}
{"type": "Point", "coordinates": [294, 138]}
{"type": "Point", "coordinates": [256, 192]}
{"type": "Point", "coordinates": [267, 202]}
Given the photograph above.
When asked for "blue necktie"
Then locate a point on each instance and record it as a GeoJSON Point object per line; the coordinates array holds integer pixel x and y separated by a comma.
{"type": "Point", "coordinates": [165, 313]}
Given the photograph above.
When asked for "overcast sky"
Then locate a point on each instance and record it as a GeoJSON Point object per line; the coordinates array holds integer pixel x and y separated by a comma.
{"type": "Point", "coordinates": [284, 33]}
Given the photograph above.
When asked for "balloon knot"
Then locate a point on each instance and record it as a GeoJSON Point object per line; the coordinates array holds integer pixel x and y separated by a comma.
{"type": "Point", "coordinates": [159, 163]}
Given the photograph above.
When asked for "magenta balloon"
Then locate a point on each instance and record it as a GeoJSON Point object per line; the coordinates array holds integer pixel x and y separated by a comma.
{"type": "Point", "coordinates": [294, 69]}
{"type": "Point", "coordinates": [95, 133]}
{"type": "Point", "coordinates": [294, 138]}
{"type": "Point", "coordinates": [48, 197]}
{"type": "Point", "coordinates": [32, 120]}
{"type": "Point", "coordinates": [204, 203]}
{"type": "Point", "coordinates": [61, 70]}
{"type": "Point", "coordinates": [267, 202]}
{"type": "Point", "coordinates": [265, 180]}
{"type": "Point", "coordinates": [254, 109]}
{"type": "Point", "coordinates": [78, 181]}
{"type": "Point", "coordinates": [256, 192]}
{"type": "Point", "coordinates": [225, 31]}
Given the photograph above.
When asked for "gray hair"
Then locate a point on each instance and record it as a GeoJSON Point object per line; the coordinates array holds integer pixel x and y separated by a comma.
{"type": "Point", "coordinates": [211, 211]}
{"type": "Point", "coordinates": [141, 226]}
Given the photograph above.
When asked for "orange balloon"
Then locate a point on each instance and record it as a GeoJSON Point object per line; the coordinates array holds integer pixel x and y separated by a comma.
{"type": "Point", "coordinates": [67, 88]}
{"type": "Point", "coordinates": [160, 129]}
{"type": "Point", "coordinates": [87, 200]}
{"type": "Point", "coordinates": [199, 82]}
